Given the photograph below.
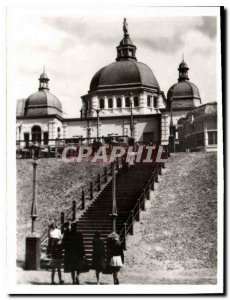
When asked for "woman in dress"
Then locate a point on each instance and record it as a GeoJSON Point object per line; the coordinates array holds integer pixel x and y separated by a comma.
{"type": "Point", "coordinates": [98, 259]}
{"type": "Point", "coordinates": [115, 256]}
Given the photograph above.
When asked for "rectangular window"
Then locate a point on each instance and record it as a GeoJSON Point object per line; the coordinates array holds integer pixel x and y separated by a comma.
{"type": "Point", "coordinates": [212, 137]}
{"type": "Point", "coordinates": [46, 138]}
{"type": "Point", "coordinates": [212, 123]}
{"type": "Point", "coordinates": [26, 139]}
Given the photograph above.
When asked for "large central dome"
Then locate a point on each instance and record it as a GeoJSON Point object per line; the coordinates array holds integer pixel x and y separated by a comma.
{"type": "Point", "coordinates": [126, 71]}
{"type": "Point", "coordinates": [123, 73]}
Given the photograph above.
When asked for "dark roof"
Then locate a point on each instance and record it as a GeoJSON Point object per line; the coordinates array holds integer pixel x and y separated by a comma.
{"type": "Point", "coordinates": [43, 99]}
{"type": "Point", "coordinates": [183, 89]}
{"type": "Point", "coordinates": [122, 73]}
{"type": "Point", "coordinates": [43, 76]}
{"type": "Point", "coordinates": [208, 109]}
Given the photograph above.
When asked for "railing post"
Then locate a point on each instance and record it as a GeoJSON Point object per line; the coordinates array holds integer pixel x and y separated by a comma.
{"type": "Point", "coordinates": [149, 189]}
{"type": "Point", "coordinates": [62, 218]}
{"type": "Point", "coordinates": [138, 210]}
{"type": "Point", "coordinates": [62, 222]}
{"type": "Point", "coordinates": [160, 171]}
{"type": "Point", "coordinates": [143, 203]}
{"type": "Point", "coordinates": [153, 182]}
{"type": "Point", "coordinates": [98, 182]}
{"type": "Point", "coordinates": [132, 223]}
{"type": "Point", "coordinates": [156, 177]}
{"type": "Point", "coordinates": [117, 164]}
{"type": "Point", "coordinates": [106, 174]}
{"type": "Point", "coordinates": [91, 190]}
{"type": "Point", "coordinates": [125, 236]}
{"type": "Point", "coordinates": [110, 169]}
{"type": "Point", "coordinates": [74, 210]}
{"type": "Point", "coordinates": [82, 199]}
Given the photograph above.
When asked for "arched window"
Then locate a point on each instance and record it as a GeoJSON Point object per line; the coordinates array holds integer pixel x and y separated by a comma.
{"type": "Point", "coordinates": [102, 103]}
{"type": "Point", "coordinates": [155, 102]}
{"type": "Point", "coordinates": [36, 133]}
{"type": "Point", "coordinates": [136, 101]}
{"type": "Point", "coordinates": [148, 100]}
{"type": "Point", "coordinates": [127, 102]}
{"type": "Point", "coordinates": [118, 102]}
{"type": "Point", "coordinates": [110, 103]}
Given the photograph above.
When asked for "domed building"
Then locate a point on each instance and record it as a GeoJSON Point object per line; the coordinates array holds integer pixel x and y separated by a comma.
{"type": "Point", "coordinates": [43, 102]}
{"type": "Point", "coordinates": [122, 84]}
{"type": "Point", "coordinates": [123, 88]}
{"type": "Point", "coordinates": [124, 99]}
{"type": "Point", "coordinates": [39, 117]}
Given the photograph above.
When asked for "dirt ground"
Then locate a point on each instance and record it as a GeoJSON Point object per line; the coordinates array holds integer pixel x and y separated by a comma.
{"type": "Point", "coordinates": [175, 241]}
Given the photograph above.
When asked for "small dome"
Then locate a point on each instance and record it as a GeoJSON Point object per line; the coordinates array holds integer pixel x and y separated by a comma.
{"type": "Point", "coordinates": [43, 103]}
{"type": "Point", "coordinates": [183, 65]}
{"type": "Point", "coordinates": [183, 89]}
{"type": "Point", "coordinates": [124, 72]}
{"type": "Point", "coordinates": [43, 76]}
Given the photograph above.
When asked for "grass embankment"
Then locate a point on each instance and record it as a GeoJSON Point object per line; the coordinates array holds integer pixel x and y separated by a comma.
{"type": "Point", "coordinates": [178, 233]}
{"type": "Point", "coordinates": [176, 240]}
{"type": "Point", "coordinates": [58, 184]}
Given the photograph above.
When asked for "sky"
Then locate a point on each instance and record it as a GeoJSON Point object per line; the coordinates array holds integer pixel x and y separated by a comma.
{"type": "Point", "coordinates": [74, 48]}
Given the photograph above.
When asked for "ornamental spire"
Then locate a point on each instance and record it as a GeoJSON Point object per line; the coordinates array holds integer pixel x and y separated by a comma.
{"type": "Point", "coordinates": [183, 70]}
{"type": "Point", "coordinates": [43, 81]}
{"type": "Point", "coordinates": [125, 27]}
{"type": "Point", "coordinates": [126, 50]}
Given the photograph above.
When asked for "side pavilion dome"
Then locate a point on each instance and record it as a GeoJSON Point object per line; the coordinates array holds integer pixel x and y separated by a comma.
{"type": "Point", "coordinates": [184, 93]}
{"type": "Point", "coordinates": [43, 102]}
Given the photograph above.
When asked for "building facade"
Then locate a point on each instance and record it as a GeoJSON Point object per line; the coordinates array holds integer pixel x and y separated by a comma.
{"type": "Point", "coordinates": [198, 131]}
{"type": "Point", "coordinates": [124, 99]}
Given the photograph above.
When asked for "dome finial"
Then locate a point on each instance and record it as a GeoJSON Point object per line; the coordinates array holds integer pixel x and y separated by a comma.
{"type": "Point", "coordinates": [183, 70]}
{"type": "Point", "coordinates": [43, 81]}
{"type": "Point", "coordinates": [126, 50]}
{"type": "Point", "coordinates": [125, 27]}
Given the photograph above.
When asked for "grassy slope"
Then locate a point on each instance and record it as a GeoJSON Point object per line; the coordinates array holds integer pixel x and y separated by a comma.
{"type": "Point", "coordinates": [175, 242]}
{"type": "Point", "coordinates": [58, 184]}
{"type": "Point", "coordinates": [178, 232]}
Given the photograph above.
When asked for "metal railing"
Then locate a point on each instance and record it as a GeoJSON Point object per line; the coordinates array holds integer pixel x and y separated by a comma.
{"type": "Point", "coordinates": [128, 227]}
{"type": "Point", "coordinates": [88, 194]}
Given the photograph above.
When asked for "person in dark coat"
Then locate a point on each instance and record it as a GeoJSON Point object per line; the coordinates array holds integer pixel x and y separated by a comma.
{"type": "Point", "coordinates": [115, 255]}
{"type": "Point", "coordinates": [98, 259]}
{"type": "Point", "coordinates": [74, 252]}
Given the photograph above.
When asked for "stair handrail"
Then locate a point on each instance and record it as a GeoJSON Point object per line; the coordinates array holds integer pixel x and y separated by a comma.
{"type": "Point", "coordinates": [78, 204]}
{"type": "Point", "coordinates": [132, 215]}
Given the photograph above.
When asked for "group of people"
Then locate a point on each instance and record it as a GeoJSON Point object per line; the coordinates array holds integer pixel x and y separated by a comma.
{"type": "Point", "coordinates": [67, 246]}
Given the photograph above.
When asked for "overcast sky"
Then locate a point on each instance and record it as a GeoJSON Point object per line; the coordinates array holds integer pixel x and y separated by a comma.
{"type": "Point", "coordinates": [74, 48]}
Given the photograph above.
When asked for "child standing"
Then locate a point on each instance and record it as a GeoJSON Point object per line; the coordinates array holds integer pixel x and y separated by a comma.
{"type": "Point", "coordinates": [56, 259]}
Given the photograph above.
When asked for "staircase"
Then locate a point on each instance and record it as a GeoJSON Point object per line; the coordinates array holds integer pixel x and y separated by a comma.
{"type": "Point", "coordinates": [129, 187]}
